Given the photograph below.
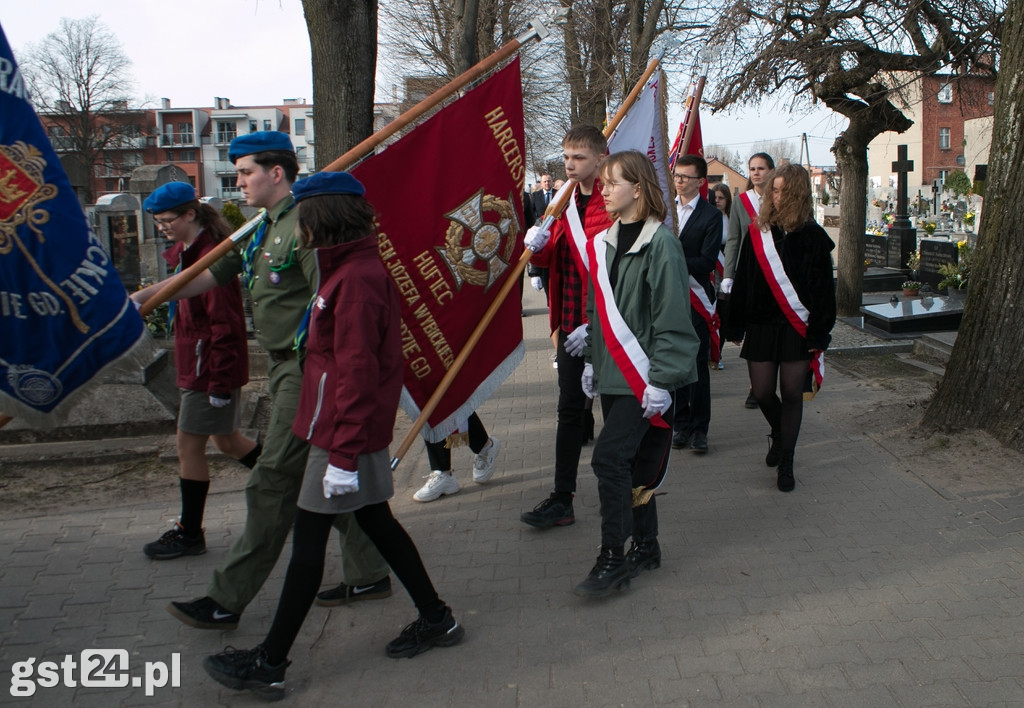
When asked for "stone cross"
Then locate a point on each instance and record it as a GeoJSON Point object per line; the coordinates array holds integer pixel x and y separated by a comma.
{"type": "Point", "coordinates": [902, 234]}
{"type": "Point", "coordinates": [901, 167]}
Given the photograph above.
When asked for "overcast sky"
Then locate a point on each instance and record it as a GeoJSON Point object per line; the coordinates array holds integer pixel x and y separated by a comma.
{"type": "Point", "coordinates": [256, 52]}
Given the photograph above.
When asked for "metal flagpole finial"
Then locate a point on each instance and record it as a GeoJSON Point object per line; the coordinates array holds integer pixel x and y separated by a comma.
{"type": "Point", "coordinates": [710, 54]}
{"type": "Point", "coordinates": [666, 44]}
{"type": "Point", "coordinates": [539, 30]}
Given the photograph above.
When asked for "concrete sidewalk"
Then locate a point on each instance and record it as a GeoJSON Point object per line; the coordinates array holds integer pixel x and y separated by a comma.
{"type": "Point", "coordinates": [863, 587]}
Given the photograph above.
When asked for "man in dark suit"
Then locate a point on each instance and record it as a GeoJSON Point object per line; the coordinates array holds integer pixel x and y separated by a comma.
{"type": "Point", "coordinates": [540, 200]}
{"type": "Point", "coordinates": [701, 235]}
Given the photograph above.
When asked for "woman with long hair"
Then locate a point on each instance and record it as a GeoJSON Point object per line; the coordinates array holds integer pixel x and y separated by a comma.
{"type": "Point", "coordinates": [783, 308]}
{"type": "Point", "coordinates": [743, 214]}
{"type": "Point", "coordinates": [211, 355]}
{"type": "Point", "coordinates": [351, 384]}
{"type": "Point", "coordinates": [721, 197]}
{"type": "Point", "coordinates": [639, 277]}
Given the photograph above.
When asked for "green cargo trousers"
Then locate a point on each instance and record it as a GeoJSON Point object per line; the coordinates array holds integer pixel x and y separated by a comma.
{"type": "Point", "coordinates": [270, 497]}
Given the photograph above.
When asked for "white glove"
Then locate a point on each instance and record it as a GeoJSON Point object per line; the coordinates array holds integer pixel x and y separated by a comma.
{"type": "Point", "coordinates": [576, 340]}
{"type": "Point", "coordinates": [727, 286]}
{"type": "Point", "coordinates": [536, 239]}
{"type": "Point", "coordinates": [338, 481]}
{"type": "Point", "coordinates": [218, 402]}
{"type": "Point", "coordinates": [537, 283]}
{"type": "Point", "coordinates": [656, 400]}
{"type": "Point", "coordinates": [587, 381]}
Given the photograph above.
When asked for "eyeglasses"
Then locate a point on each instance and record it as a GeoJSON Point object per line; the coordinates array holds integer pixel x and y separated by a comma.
{"type": "Point", "coordinates": [164, 223]}
{"type": "Point", "coordinates": [613, 185]}
{"type": "Point", "coordinates": [684, 178]}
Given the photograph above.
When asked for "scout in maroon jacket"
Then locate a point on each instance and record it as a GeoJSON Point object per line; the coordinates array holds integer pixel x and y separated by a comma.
{"type": "Point", "coordinates": [351, 383]}
{"type": "Point", "coordinates": [211, 355]}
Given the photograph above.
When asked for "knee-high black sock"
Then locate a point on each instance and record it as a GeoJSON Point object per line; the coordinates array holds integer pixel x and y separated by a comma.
{"type": "Point", "coordinates": [193, 504]}
{"type": "Point", "coordinates": [249, 460]}
{"type": "Point", "coordinates": [305, 571]}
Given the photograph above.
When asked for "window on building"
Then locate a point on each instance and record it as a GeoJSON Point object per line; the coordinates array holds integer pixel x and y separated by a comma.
{"type": "Point", "coordinates": [252, 127]}
{"type": "Point", "coordinates": [222, 154]}
{"type": "Point", "coordinates": [300, 126]}
{"type": "Point", "coordinates": [185, 133]}
{"type": "Point", "coordinates": [943, 138]}
{"type": "Point", "coordinates": [266, 124]}
{"type": "Point", "coordinates": [942, 176]}
{"type": "Point", "coordinates": [226, 131]}
{"type": "Point", "coordinates": [188, 156]}
{"type": "Point", "coordinates": [170, 156]}
{"type": "Point", "coordinates": [946, 93]}
{"type": "Point", "coordinates": [991, 98]}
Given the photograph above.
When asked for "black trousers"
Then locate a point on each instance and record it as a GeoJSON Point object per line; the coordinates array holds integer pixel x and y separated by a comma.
{"type": "Point", "coordinates": [571, 414]}
{"type": "Point", "coordinates": [693, 402]}
{"type": "Point", "coordinates": [440, 457]}
{"type": "Point", "coordinates": [629, 452]}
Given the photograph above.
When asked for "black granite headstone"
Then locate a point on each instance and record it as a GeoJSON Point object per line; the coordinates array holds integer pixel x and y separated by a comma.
{"type": "Point", "coordinates": [935, 253]}
{"type": "Point", "coordinates": [876, 250]}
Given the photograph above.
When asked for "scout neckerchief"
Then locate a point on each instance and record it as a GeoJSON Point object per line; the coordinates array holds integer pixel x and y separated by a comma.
{"type": "Point", "coordinates": [249, 254]}
{"type": "Point", "coordinates": [788, 300]}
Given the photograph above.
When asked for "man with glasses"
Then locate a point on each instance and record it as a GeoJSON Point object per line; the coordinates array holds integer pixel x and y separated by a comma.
{"type": "Point", "coordinates": [700, 232]}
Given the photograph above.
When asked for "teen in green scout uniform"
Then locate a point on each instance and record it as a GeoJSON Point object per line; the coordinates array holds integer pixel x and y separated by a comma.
{"type": "Point", "coordinates": [281, 279]}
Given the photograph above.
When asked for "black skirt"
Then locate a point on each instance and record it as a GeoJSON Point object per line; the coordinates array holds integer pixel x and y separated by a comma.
{"type": "Point", "coordinates": [773, 342]}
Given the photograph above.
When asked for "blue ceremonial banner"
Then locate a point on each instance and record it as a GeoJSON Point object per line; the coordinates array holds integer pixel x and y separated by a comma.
{"type": "Point", "coordinates": [64, 313]}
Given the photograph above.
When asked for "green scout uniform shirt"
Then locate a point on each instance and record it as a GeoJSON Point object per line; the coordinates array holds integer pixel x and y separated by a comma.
{"type": "Point", "coordinates": [277, 308]}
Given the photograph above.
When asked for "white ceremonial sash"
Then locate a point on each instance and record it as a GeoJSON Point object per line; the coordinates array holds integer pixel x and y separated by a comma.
{"type": "Point", "coordinates": [619, 339]}
{"type": "Point", "coordinates": [786, 296]}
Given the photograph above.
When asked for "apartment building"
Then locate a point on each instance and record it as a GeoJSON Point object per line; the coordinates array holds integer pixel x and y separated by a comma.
{"type": "Point", "coordinates": [946, 135]}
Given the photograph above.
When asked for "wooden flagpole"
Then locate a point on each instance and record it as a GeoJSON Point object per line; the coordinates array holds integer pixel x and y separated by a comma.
{"type": "Point", "coordinates": [554, 210]}
{"type": "Point", "coordinates": [537, 30]}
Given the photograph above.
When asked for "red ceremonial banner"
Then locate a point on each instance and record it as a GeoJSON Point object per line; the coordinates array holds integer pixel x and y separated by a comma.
{"type": "Point", "coordinates": [448, 198]}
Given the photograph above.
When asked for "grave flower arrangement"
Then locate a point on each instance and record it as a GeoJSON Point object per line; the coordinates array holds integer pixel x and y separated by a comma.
{"type": "Point", "coordinates": [956, 275]}
{"type": "Point", "coordinates": [969, 217]}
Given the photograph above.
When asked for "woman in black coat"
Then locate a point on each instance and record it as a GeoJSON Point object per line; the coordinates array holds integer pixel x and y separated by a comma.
{"type": "Point", "coordinates": [783, 309]}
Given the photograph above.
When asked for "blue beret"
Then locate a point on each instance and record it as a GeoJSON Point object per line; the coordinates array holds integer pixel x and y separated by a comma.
{"type": "Point", "coordinates": [327, 183]}
{"type": "Point", "coordinates": [262, 141]}
{"type": "Point", "coordinates": [169, 196]}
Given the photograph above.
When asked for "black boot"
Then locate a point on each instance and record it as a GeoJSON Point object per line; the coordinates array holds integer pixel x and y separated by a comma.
{"type": "Point", "coordinates": [610, 573]}
{"type": "Point", "coordinates": [772, 458]}
{"type": "Point", "coordinates": [588, 426]}
{"type": "Point", "coordinates": [786, 481]}
{"type": "Point", "coordinates": [643, 555]}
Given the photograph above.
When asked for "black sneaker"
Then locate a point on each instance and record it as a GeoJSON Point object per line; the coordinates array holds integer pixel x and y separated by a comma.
{"type": "Point", "coordinates": [204, 613]}
{"type": "Point", "coordinates": [242, 669]}
{"type": "Point", "coordinates": [344, 594]}
{"type": "Point", "coordinates": [421, 635]}
{"type": "Point", "coordinates": [175, 543]}
{"type": "Point", "coordinates": [550, 512]}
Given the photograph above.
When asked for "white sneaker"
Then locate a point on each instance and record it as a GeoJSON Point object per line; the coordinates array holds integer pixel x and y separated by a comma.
{"type": "Point", "coordinates": [439, 484]}
{"type": "Point", "coordinates": [483, 467]}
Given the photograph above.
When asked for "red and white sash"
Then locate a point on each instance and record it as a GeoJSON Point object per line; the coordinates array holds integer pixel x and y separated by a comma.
{"type": "Point", "coordinates": [622, 344]}
{"type": "Point", "coordinates": [789, 302]}
{"type": "Point", "coordinates": [708, 310]}
{"type": "Point", "coordinates": [752, 203]}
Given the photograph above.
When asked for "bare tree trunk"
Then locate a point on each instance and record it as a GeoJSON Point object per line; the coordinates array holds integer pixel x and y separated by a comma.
{"type": "Point", "coordinates": [852, 160]}
{"type": "Point", "coordinates": [343, 39]}
{"type": "Point", "coordinates": [985, 375]}
{"type": "Point", "coordinates": [466, 12]}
